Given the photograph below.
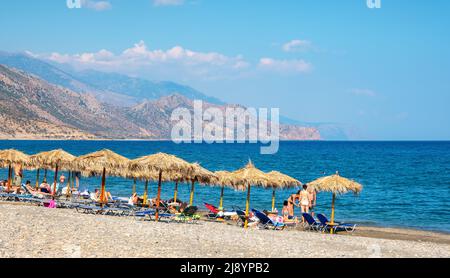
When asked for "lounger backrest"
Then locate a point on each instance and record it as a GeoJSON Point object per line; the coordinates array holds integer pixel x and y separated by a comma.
{"type": "Point", "coordinates": [262, 217]}
{"type": "Point", "coordinates": [190, 210]}
{"type": "Point", "coordinates": [322, 218]}
{"type": "Point", "coordinates": [211, 208]}
{"type": "Point", "coordinates": [309, 219]}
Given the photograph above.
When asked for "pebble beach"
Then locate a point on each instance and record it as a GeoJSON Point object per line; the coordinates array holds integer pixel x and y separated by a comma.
{"type": "Point", "coordinates": [37, 232]}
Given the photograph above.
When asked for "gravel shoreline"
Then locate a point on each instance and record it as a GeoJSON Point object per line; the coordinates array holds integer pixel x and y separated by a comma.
{"type": "Point", "coordinates": [36, 232]}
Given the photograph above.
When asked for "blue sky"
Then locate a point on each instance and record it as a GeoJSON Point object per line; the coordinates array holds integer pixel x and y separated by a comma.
{"type": "Point", "coordinates": [384, 71]}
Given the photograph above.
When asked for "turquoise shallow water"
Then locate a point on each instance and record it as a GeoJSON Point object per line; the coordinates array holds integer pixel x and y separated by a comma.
{"type": "Point", "coordinates": [406, 184]}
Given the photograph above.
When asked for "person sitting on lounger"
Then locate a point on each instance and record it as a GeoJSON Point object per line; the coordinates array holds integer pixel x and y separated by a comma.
{"type": "Point", "coordinates": [287, 218]}
{"type": "Point", "coordinates": [45, 188]}
{"type": "Point", "coordinates": [106, 198]}
{"type": "Point", "coordinates": [133, 200]}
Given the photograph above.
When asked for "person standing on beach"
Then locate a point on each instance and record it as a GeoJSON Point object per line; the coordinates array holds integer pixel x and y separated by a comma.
{"type": "Point", "coordinates": [305, 200]}
{"type": "Point", "coordinates": [313, 198]}
{"type": "Point", "coordinates": [292, 202]}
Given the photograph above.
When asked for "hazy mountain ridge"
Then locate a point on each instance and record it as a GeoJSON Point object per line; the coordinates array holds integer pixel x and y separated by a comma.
{"type": "Point", "coordinates": [33, 108]}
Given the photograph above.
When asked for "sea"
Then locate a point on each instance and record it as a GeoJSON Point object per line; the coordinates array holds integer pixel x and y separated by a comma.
{"type": "Point", "coordinates": [405, 184]}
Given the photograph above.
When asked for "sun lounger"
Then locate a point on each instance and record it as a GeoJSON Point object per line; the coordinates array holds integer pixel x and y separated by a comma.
{"type": "Point", "coordinates": [189, 215]}
{"type": "Point", "coordinates": [266, 223]}
{"type": "Point", "coordinates": [312, 224]}
{"type": "Point", "coordinates": [241, 219]}
{"type": "Point", "coordinates": [213, 211]}
{"type": "Point", "coordinates": [348, 227]}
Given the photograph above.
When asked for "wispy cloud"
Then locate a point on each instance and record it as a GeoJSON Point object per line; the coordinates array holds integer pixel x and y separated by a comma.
{"type": "Point", "coordinates": [297, 45]}
{"type": "Point", "coordinates": [363, 92]}
{"type": "Point", "coordinates": [168, 2]}
{"type": "Point", "coordinates": [285, 66]}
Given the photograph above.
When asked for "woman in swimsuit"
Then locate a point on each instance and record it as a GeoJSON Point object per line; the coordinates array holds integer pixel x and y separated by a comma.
{"type": "Point", "coordinates": [305, 200]}
{"type": "Point", "coordinates": [291, 203]}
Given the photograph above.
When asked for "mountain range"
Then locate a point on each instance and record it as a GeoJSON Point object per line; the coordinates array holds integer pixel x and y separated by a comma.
{"type": "Point", "coordinates": [41, 101]}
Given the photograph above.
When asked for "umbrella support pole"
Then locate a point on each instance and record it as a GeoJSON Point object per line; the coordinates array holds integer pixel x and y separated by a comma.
{"type": "Point", "coordinates": [191, 200]}
{"type": "Point", "coordinates": [45, 176]}
{"type": "Point", "coordinates": [55, 180]}
{"type": "Point", "coordinates": [247, 207]}
{"type": "Point", "coordinates": [158, 197]}
{"type": "Point", "coordinates": [145, 201]}
{"type": "Point", "coordinates": [9, 177]}
{"type": "Point", "coordinates": [221, 199]}
{"type": "Point", "coordinates": [69, 187]}
{"type": "Point", "coordinates": [102, 193]}
{"type": "Point", "coordinates": [175, 194]}
{"type": "Point", "coordinates": [332, 212]}
{"type": "Point", "coordinates": [37, 179]}
{"type": "Point", "coordinates": [273, 200]}
{"type": "Point", "coordinates": [134, 186]}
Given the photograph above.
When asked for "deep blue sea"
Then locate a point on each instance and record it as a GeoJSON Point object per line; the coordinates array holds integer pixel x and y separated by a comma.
{"type": "Point", "coordinates": [406, 184]}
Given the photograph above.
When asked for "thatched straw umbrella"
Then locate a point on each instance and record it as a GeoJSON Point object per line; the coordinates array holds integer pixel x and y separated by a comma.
{"type": "Point", "coordinates": [10, 157]}
{"type": "Point", "coordinates": [244, 178]}
{"type": "Point", "coordinates": [280, 180]}
{"type": "Point", "coordinates": [225, 178]}
{"type": "Point", "coordinates": [104, 162]}
{"type": "Point", "coordinates": [170, 165]}
{"type": "Point", "coordinates": [336, 185]}
{"type": "Point", "coordinates": [56, 159]}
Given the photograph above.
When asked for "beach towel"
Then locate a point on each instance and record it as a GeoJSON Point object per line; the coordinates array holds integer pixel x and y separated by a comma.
{"type": "Point", "coordinates": [51, 204]}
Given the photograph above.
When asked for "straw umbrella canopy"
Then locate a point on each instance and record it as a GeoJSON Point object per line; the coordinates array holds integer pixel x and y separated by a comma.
{"type": "Point", "coordinates": [104, 162]}
{"type": "Point", "coordinates": [336, 185]}
{"type": "Point", "coordinates": [244, 178]}
{"type": "Point", "coordinates": [280, 180]}
{"type": "Point", "coordinates": [170, 165]}
{"type": "Point", "coordinates": [56, 159]}
{"type": "Point", "coordinates": [10, 157]}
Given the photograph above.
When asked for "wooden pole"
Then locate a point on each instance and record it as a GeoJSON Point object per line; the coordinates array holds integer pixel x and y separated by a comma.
{"type": "Point", "coordinates": [191, 200]}
{"type": "Point", "coordinates": [37, 179]}
{"type": "Point", "coordinates": [45, 176]}
{"type": "Point", "coordinates": [134, 186]}
{"type": "Point", "coordinates": [146, 193]}
{"type": "Point", "coordinates": [55, 180]}
{"type": "Point", "coordinates": [247, 207]}
{"type": "Point", "coordinates": [175, 194]}
{"type": "Point", "coordinates": [158, 197]}
{"type": "Point", "coordinates": [9, 177]}
{"type": "Point", "coordinates": [273, 200]}
{"type": "Point", "coordinates": [69, 188]}
{"type": "Point", "coordinates": [332, 212]}
{"type": "Point", "coordinates": [221, 198]}
{"type": "Point", "coordinates": [103, 190]}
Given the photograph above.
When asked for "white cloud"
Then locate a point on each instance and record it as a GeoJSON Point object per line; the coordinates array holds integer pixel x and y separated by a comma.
{"type": "Point", "coordinates": [176, 63]}
{"type": "Point", "coordinates": [285, 66]}
{"type": "Point", "coordinates": [297, 45]}
{"type": "Point", "coordinates": [168, 2]}
{"type": "Point", "coordinates": [363, 92]}
{"type": "Point", "coordinates": [140, 59]}
{"type": "Point", "coordinates": [96, 5]}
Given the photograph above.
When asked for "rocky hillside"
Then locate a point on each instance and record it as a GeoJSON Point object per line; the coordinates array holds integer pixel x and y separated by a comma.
{"type": "Point", "coordinates": [31, 108]}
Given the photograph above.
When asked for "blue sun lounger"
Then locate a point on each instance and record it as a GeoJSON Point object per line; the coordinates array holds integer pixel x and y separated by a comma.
{"type": "Point", "coordinates": [266, 223]}
{"type": "Point", "coordinates": [340, 226]}
{"type": "Point", "coordinates": [313, 225]}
